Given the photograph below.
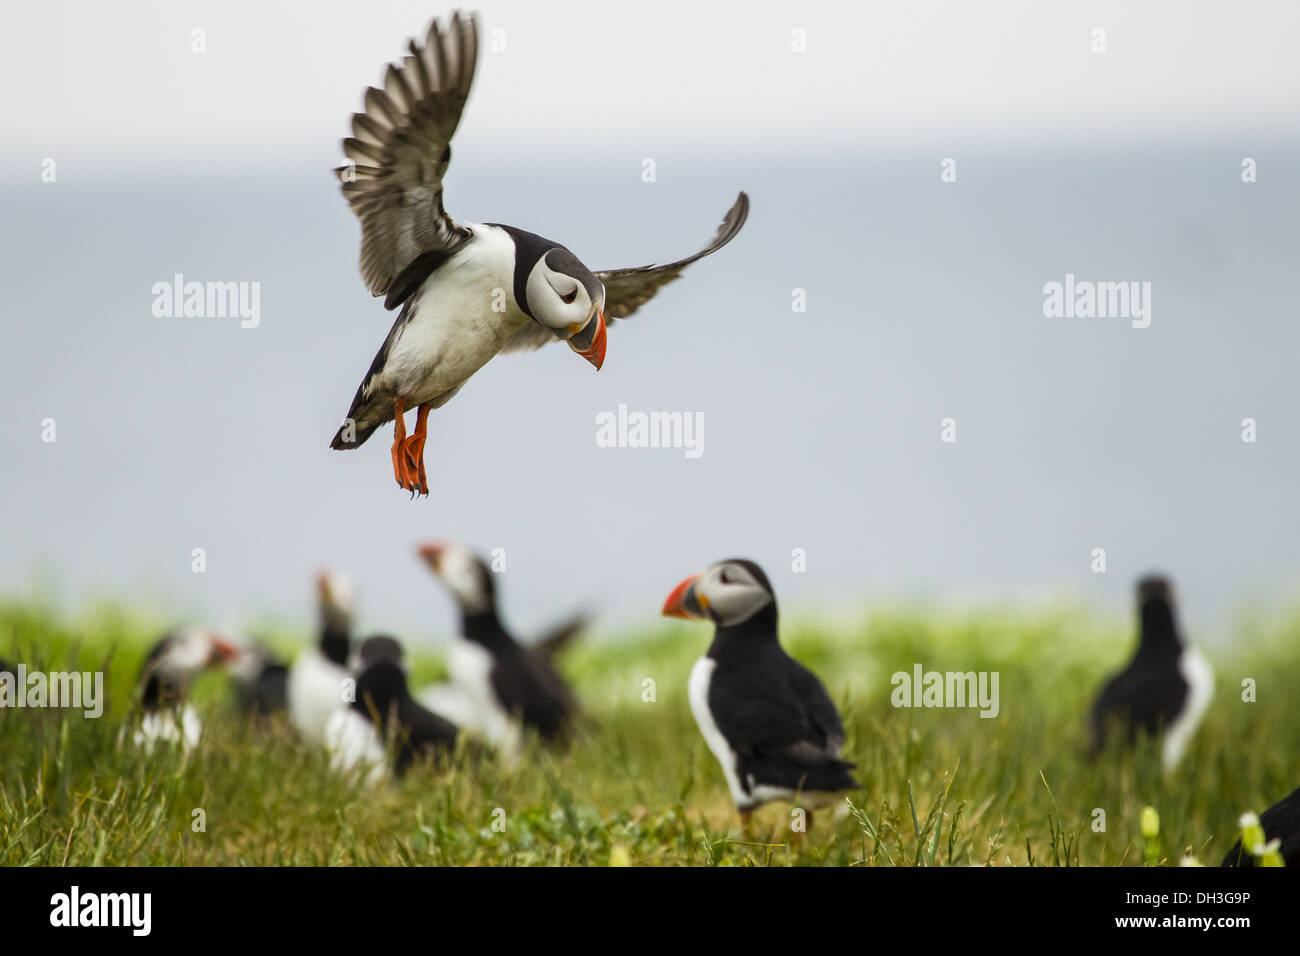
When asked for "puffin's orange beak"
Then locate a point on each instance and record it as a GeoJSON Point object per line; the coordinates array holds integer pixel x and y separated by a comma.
{"type": "Point", "coordinates": [431, 553]}
{"type": "Point", "coordinates": [594, 352]}
{"type": "Point", "coordinates": [682, 603]}
{"type": "Point", "coordinates": [224, 651]}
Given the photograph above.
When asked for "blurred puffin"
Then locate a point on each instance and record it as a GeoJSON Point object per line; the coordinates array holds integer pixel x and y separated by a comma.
{"type": "Point", "coordinates": [507, 686]}
{"type": "Point", "coordinates": [1281, 822]}
{"type": "Point", "coordinates": [384, 710]}
{"type": "Point", "coordinates": [317, 679]}
{"type": "Point", "coordinates": [173, 664]}
{"type": "Point", "coordinates": [261, 683]}
{"type": "Point", "coordinates": [1165, 688]}
{"type": "Point", "coordinates": [767, 719]}
{"type": "Point", "coordinates": [467, 291]}
{"type": "Point", "coordinates": [351, 737]}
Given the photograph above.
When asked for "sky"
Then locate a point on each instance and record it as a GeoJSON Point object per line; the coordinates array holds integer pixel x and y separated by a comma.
{"type": "Point", "coordinates": [823, 428]}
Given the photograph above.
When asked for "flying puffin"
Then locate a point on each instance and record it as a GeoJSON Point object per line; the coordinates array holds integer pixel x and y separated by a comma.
{"type": "Point", "coordinates": [1165, 688]}
{"type": "Point", "coordinates": [1281, 822]}
{"type": "Point", "coordinates": [384, 702]}
{"type": "Point", "coordinates": [508, 686]}
{"type": "Point", "coordinates": [466, 291]}
{"type": "Point", "coordinates": [173, 664]}
{"type": "Point", "coordinates": [317, 679]}
{"type": "Point", "coordinates": [766, 718]}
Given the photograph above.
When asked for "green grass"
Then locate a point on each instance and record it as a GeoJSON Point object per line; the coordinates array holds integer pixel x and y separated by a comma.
{"type": "Point", "coordinates": [941, 787]}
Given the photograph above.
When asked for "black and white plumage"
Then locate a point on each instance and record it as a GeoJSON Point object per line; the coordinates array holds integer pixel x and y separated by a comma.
{"type": "Point", "coordinates": [767, 719]}
{"type": "Point", "coordinates": [383, 700]}
{"type": "Point", "coordinates": [170, 669]}
{"type": "Point", "coordinates": [261, 682]}
{"type": "Point", "coordinates": [467, 291]}
{"type": "Point", "coordinates": [1281, 822]}
{"type": "Point", "coordinates": [1165, 688]}
{"type": "Point", "coordinates": [319, 678]}
{"type": "Point", "coordinates": [506, 687]}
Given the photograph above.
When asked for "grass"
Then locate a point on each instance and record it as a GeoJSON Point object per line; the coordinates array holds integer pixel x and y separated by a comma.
{"type": "Point", "coordinates": [942, 787]}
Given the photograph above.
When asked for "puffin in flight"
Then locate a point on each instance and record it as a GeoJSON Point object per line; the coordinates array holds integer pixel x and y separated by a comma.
{"type": "Point", "coordinates": [506, 686]}
{"type": "Point", "coordinates": [466, 291]}
{"type": "Point", "coordinates": [1165, 688]}
{"type": "Point", "coordinates": [767, 719]}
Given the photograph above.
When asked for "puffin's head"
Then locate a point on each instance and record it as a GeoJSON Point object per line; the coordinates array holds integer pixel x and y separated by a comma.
{"type": "Point", "coordinates": [727, 593]}
{"type": "Point", "coordinates": [178, 658]}
{"type": "Point", "coordinates": [467, 577]}
{"type": "Point", "coordinates": [379, 687]}
{"type": "Point", "coordinates": [336, 600]}
{"type": "Point", "coordinates": [380, 647]}
{"type": "Point", "coordinates": [563, 295]}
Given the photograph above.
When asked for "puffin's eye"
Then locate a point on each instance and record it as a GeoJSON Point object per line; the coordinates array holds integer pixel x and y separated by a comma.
{"type": "Point", "coordinates": [568, 299]}
{"type": "Point", "coordinates": [723, 577]}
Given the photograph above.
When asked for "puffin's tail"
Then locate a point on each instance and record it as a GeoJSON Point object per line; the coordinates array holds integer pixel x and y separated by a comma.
{"type": "Point", "coordinates": [349, 436]}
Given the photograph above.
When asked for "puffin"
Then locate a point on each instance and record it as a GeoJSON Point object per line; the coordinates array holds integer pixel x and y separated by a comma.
{"type": "Point", "coordinates": [464, 291]}
{"type": "Point", "coordinates": [1165, 688]}
{"type": "Point", "coordinates": [766, 718]}
{"type": "Point", "coordinates": [384, 702]}
{"type": "Point", "coordinates": [318, 677]}
{"type": "Point", "coordinates": [1281, 822]}
{"type": "Point", "coordinates": [261, 683]}
{"type": "Point", "coordinates": [506, 686]}
{"type": "Point", "coordinates": [173, 664]}
{"type": "Point", "coordinates": [352, 740]}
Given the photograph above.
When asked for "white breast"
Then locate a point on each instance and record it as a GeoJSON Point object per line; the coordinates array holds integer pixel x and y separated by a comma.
{"type": "Point", "coordinates": [180, 726]}
{"type": "Point", "coordinates": [1197, 672]}
{"type": "Point", "coordinates": [454, 330]}
{"type": "Point", "coordinates": [354, 744]}
{"type": "Point", "coordinates": [470, 666]}
{"type": "Point", "coordinates": [316, 692]}
{"type": "Point", "coordinates": [697, 691]}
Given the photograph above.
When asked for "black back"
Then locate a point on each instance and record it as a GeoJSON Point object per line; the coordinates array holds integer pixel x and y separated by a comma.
{"type": "Point", "coordinates": [1148, 694]}
{"type": "Point", "coordinates": [523, 680]}
{"type": "Point", "coordinates": [382, 697]}
{"type": "Point", "coordinates": [774, 712]}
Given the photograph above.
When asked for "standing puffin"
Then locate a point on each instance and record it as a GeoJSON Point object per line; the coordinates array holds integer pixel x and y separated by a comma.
{"type": "Point", "coordinates": [383, 701]}
{"type": "Point", "coordinates": [767, 719]}
{"type": "Point", "coordinates": [352, 740]}
{"type": "Point", "coordinates": [173, 664]}
{"type": "Point", "coordinates": [509, 686]}
{"type": "Point", "coordinates": [318, 677]}
{"type": "Point", "coordinates": [1280, 822]}
{"type": "Point", "coordinates": [261, 683]}
{"type": "Point", "coordinates": [1166, 686]}
{"type": "Point", "coordinates": [466, 291]}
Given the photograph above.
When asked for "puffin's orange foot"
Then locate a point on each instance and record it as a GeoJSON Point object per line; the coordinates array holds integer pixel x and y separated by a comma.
{"type": "Point", "coordinates": [413, 462]}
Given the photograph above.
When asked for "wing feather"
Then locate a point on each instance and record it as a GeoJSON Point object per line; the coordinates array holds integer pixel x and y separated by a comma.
{"type": "Point", "coordinates": [400, 148]}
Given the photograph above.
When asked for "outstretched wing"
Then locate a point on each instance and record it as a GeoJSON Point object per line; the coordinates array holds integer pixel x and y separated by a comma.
{"type": "Point", "coordinates": [399, 150]}
{"type": "Point", "coordinates": [626, 290]}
